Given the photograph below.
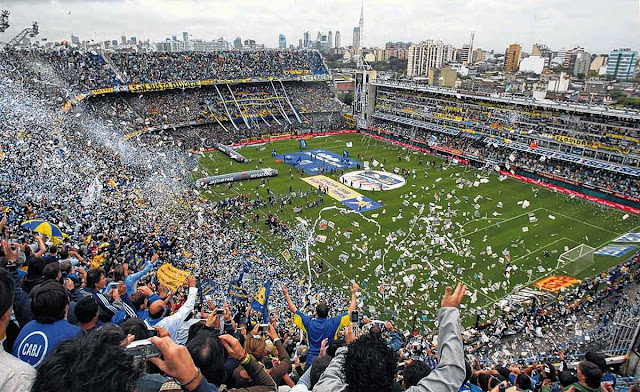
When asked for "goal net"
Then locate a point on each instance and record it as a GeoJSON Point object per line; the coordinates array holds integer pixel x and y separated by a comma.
{"type": "Point", "coordinates": [576, 260]}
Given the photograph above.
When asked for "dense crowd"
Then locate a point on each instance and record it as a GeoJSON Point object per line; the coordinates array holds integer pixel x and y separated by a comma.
{"type": "Point", "coordinates": [200, 114]}
{"type": "Point", "coordinates": [169, 67]}
{"type": "Point", "coordinates": [83, 71]}
{"type": "Point", "coordinates": [498, 156]}
{"type": "Point", "coordinates": [258, 103]}
{"type": "Point", "coordinates": [88, 311]}
{"type": "Point", "coordinates": [526, 125]}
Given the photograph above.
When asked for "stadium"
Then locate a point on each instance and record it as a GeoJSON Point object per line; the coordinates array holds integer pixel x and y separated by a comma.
{"type": "Point", "coordinates": [210, 193]}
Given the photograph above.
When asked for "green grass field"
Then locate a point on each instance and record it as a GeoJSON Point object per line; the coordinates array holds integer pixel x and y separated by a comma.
{"type": "Point", "coordinates": [413, 270]}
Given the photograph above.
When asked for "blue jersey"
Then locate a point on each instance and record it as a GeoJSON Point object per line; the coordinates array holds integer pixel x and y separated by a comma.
{"type": "Point", "coordinates": [317, 329]}
{"type": "Point", "coordinates": [36, 341]}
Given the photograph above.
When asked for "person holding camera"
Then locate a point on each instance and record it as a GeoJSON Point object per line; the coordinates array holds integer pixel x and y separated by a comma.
{"type": "Point", "coordinates": [256, 346]}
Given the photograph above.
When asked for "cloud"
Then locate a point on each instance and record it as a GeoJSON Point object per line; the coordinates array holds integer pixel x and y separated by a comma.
{"type": "Point", "coordinates": [594, 24]}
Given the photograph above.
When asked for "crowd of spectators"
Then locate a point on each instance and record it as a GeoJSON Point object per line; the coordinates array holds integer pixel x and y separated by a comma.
{"type": "Point", "coordinates": [505, 158]}
{"type": "Point", "coordinates": [520, 124]}
{"type": "Point", "coordinates": [89, 311]}
{"type": "Point", "coordinates": [169, 67]}
{"type": "Point", "coordinates": [83, 71]}
{"type": "Point", "coordinates": [200, 114]}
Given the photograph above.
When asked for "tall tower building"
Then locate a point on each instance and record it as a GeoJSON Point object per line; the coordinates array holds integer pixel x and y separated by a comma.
{"type": "Point", "coordinates": [306, 39]}
{"type": "Point", "coordinates": [356, 38]}
{"type": "Point", "coordinates": [361, 26]}
{"type": "Point", "coordinates": [337, 40]}
{"type": "Point", "coordinates": [282, 41]}
{"type": "Point", "coordinates": [512, 58]}
{"type": "Point", "coordinates": [330, 39]}
{"type": "Point", "coordinates": [579, 63]}
{"type": "Point", "coordinates": [536, 50]}
{"type": "Point", "coordinates": [185, 36]}
{"type": "Point", "coordinates": [568, 54]}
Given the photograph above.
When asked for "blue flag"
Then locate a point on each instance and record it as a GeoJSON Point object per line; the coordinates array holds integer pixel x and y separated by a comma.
{"type": "Point", "coordinates": [303, 143]}
{"type": "Point", "coordinates": [261, 301]}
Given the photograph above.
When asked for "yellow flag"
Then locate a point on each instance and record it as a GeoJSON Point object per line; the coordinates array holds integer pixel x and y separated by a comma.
{"type": "Point", "coordinates": [171, 277]}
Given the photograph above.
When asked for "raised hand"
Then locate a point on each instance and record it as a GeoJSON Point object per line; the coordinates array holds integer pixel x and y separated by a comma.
{"type": "Point", "coordinates": [232, 345]}
{"type": "Point", "coordinates": [453, 300]}
{"type": "Point", "coordinates": [176, 362]}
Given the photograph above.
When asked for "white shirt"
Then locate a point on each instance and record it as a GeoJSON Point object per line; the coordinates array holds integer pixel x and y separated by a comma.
{"type": "Point", "coordinates": [172, 323]}
{"type": "Point", "coordinates": [16, 376]}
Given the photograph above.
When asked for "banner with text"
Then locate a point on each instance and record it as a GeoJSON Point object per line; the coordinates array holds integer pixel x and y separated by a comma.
{"type": "Point", "coordinates": [171, 277]}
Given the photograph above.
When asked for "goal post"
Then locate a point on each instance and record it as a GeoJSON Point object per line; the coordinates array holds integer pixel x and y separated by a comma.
{"type": "Point", "coordinates": [576, 260]}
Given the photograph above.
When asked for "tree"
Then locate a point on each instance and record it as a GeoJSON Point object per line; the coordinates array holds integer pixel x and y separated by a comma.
{"type": "Point", "coordinates": [592, 74]}
{"type": "Point", "coordinates": [623, 100]}
{"type": "Point", "coordinates": [617, 94]}
{"type": "Point", "coordinates": [558, 69]}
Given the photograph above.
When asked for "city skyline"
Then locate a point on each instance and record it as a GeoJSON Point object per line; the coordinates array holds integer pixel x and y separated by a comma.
{"type": "Point", "coordinates": [497, 23]}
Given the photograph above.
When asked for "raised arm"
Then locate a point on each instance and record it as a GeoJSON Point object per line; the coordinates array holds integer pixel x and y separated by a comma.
{"type": "Point", "coordinates": [450, 371]}
{"type": "Point", "coordinates": [41, 246]}
{"type": "Point", "coordinates": [292, 307]}
{"type": "Point", "coordinates": [188, 305]}
{"type": "Point", "coordinates": [354, 289]}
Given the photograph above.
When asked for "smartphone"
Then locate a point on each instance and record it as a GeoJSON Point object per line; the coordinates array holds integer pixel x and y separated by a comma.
{"type": "Point", "coordinates": [354, 318]}
{"type": "Point", "coordinates": [152, 332]}
{"type": "Point", "coordinates": [264, 327]}
{"type": "Point", "coordinates": [220, 312]}
{"type": "Point", "coordinates": [113, 285]}
{"type": "Point", "coordinates": [142, 349]}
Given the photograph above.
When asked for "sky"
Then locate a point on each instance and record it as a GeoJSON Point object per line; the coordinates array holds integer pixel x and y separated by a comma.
{"type": "Point", "coordinates": [597, 25]}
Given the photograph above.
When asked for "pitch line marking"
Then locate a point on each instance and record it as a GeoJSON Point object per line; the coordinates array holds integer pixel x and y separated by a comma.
{"type": "Point", "coordinates": [499, 223]}
{"type": "Point", "coordinates": [584, 223]}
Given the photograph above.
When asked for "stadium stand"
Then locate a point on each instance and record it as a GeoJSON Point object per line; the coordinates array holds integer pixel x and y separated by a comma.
{"type": "Point", "coordinates": [573, 147]}
{"type": "Point", "coordinates": [96, 290]}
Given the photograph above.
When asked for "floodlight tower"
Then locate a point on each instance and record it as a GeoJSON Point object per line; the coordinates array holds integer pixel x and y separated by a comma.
{"type": "Point", "coordinates": [361, 63]}
{"type": "Point", "coordinates": [4, 21]}
{"type": "Point", "coordinates": [29, 31]}
{"type": "Point", "coordinates": [364, 75]}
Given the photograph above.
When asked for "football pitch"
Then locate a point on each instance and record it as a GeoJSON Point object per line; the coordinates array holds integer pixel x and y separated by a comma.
{"type": "Point", "coordinates": [450, 223]}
